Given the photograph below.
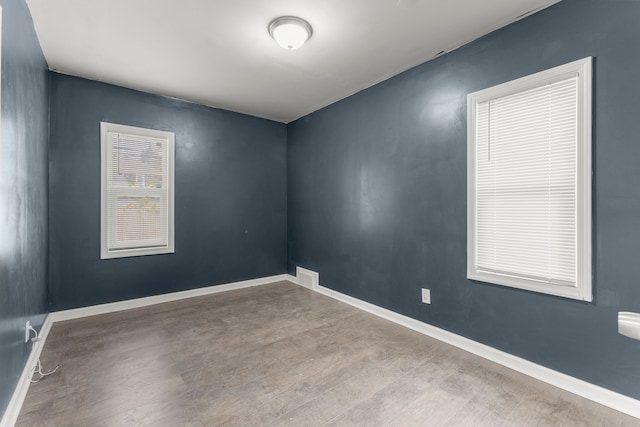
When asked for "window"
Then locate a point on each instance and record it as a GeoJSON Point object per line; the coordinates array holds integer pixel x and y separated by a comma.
{"type": "Point", "coordinates": [137, 191]}
{"type": "Point", "coordinates": [529, 182]}
{"type": "Point", "coordinates": [0, 68]}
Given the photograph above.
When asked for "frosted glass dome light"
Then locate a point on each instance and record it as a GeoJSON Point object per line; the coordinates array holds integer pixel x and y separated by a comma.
{"type": "Point", "coordinates": [290, 32]}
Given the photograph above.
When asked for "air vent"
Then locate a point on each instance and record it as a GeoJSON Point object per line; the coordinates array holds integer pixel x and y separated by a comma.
{"type": "Point", "coordinates": [307, 278]}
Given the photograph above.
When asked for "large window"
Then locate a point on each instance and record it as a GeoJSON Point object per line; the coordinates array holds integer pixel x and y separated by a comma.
{"type": "Point", "coordinates": [137, 191]}
{"type": "Point", "coordinates": [529, 182]}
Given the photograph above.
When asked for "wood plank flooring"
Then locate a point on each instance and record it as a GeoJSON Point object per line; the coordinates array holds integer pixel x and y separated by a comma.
{"type": "Point", "coordinates": [280, 355]}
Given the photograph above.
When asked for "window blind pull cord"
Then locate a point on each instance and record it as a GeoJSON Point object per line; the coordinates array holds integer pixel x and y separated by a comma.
{"type": "Point", "coordinates": [489, 133]}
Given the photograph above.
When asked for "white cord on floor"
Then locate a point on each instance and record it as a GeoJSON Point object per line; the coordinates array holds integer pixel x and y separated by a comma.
{"type": "Point", "coordinates": [38, 366]}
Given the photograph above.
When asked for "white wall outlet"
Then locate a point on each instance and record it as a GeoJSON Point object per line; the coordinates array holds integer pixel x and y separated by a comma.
{"type": "Point", "coordinates": [27, 332]}
{"type": "Point", "coordinates": [426, 296]}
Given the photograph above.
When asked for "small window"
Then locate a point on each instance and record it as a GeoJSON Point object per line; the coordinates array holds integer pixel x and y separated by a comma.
{"type": "Point", "coordinates": [529, 182]}
{"type": "Point", "coordinates": [137, 191]}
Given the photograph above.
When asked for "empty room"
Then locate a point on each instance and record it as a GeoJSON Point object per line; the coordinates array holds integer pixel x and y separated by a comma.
{"type": "Point", "coordinates": [310, 213]}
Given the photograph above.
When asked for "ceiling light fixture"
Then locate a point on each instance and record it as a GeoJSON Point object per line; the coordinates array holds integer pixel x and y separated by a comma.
{"type": "Point", "coordinates": [290, 32]}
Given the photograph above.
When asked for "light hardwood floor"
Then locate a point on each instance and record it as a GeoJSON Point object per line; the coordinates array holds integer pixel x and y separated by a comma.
{"type": "Point", "coordinates": [280, 355]}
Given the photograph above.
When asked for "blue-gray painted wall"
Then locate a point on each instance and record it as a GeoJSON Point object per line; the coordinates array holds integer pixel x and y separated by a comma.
{"type": "Point", "coordinates": [370, 191]}
{"type": "Point", "coordinates": [23, 191]}
{"type": "Point", "coordinates": [377, 194]}
{"type": "Point", "coordinates": [230, 196]}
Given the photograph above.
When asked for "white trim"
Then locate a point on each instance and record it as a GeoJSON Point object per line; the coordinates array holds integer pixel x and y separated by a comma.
{"type": "Point", "coordinates": [94, 310]}
{"type": "Point", "coordinates": [17, 399]}
{"type": "Point", "coordinates": [598, 394]}
{"type": "Point", "coordinates": [582, 69]}
{"type": "Point", "coordinates": [105, 165]}
{"type": "Point", "coordinates": [292, 279]}
{"type": "Point", "coordinates": [0, 77]}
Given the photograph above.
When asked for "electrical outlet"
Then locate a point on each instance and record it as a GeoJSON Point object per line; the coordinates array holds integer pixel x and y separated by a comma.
{"type": "Point", "coordinates": [426, 296]}
{"type": "Point", "coordinates": [27, 332]}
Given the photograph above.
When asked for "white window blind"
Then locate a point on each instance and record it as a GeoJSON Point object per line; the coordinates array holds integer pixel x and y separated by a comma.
{"type": "Point", "coordinates": [137, 213]}
{"type": "Point", "coordinates": [528, 207]}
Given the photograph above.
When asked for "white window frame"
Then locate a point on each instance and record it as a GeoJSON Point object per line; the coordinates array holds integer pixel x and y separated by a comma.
{"type": "Point", "coordinates": [0, 80]}
{"type": "Point", "coordinates": [581, 290]}
{"type": "Point", "coordinates": [105, 162]}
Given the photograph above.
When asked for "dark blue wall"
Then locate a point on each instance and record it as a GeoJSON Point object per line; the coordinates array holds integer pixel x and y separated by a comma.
{"type": "Point", "coordinates": [377, 194]}
{"type": "Point", "coordinates": [230, 196]}
{"type": "Point", "coordinates": [23, 191]}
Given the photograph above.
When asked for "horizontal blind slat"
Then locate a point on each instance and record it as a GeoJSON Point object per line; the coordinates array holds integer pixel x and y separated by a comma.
{"type": "Point", "coordinates": [137, 192]}
{"type": "Point", "coordinates": [526, 184]}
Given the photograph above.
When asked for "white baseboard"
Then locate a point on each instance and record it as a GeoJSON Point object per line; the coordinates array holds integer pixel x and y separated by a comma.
{"type": "Point", "coordinates": [17, 399]}
{"type": "Point", "coordinates": [582, 388]}
{"type": "Point", "coordinates": [93, 310]}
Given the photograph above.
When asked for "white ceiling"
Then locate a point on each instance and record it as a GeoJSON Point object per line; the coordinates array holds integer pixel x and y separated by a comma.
{"type": "Point", "coordinates": [219, 53]}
